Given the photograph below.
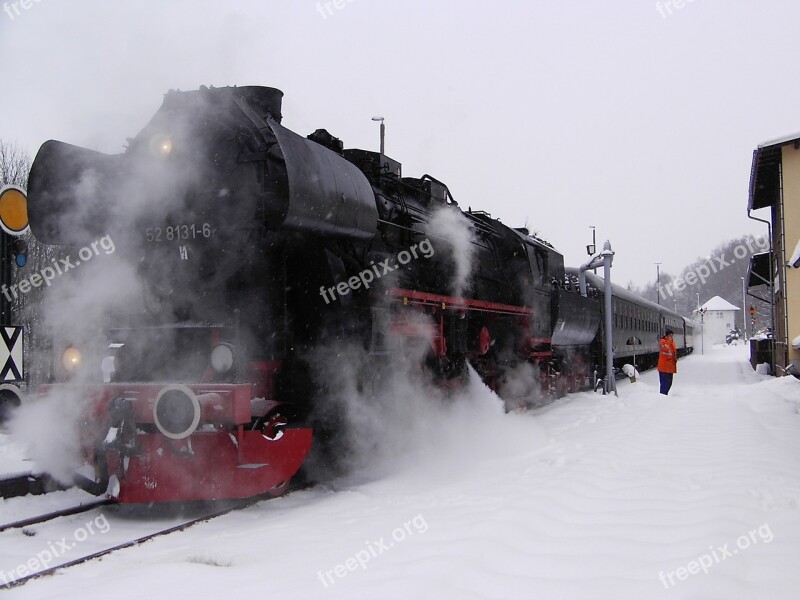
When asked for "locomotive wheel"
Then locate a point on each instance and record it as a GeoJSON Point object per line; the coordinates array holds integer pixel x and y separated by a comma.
{"type": "Point", "coordinates": [272, 426]}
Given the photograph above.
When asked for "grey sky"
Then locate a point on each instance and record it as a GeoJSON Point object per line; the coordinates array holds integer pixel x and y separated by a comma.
{"type": "Point", "coordinates": [558, 114]}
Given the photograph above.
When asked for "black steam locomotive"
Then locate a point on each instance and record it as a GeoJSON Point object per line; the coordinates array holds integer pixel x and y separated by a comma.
{"type": "Point", "coordinates": [252, 246]}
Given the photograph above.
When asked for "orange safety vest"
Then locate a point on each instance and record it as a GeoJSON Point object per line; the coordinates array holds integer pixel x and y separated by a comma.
{"type": "Point", "coordinates": [667, 356]}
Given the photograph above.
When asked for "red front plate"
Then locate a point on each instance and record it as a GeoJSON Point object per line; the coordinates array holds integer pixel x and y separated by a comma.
{"type": "Point", "coordinates": [166, 472]}
{"type": "Point", "coordinates": [223, 461]}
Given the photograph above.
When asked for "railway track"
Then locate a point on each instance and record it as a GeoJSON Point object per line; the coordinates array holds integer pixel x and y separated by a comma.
{"type": "Point", "coordinates": [7, 582]}
{"type": "Point", "coordinates": [66, 512]}
{"type": "Point", "coordinates": [18, 581]}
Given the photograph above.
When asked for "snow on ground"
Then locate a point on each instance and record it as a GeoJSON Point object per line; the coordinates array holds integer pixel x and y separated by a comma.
{"type": "Point", "coordinates": [695, 495]}
{"type": "Point", "coordinates": [13, 460]}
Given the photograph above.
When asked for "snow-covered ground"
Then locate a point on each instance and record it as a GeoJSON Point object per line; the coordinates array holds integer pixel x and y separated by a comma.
{"type": "Point", "coordinates": [641, 496]}
{"type": "Point", "coordinates": [13, 460]}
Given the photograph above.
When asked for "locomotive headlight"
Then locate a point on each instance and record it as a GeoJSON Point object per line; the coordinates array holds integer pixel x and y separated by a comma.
{"type": "Point", "coordinates": [222, 358]}
{"type": "Point", "coordinates": [71, 359]}
{"type": "Point", "coordinates": [161, 145]}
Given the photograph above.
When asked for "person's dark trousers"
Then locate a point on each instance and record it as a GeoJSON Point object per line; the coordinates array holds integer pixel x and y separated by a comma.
{"type": "Point", "coordinates": [666, 382]}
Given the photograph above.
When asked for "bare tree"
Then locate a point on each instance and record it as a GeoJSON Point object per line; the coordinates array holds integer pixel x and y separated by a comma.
{"type": "Point", "coordinates": [15, 164]}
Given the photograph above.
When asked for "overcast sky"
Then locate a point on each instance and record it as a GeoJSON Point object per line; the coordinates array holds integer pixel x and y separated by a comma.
{"type": "Point", "coordinates": [637, 117]}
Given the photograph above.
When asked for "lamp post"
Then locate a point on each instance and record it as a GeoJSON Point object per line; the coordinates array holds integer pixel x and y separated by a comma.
{"type": "Point", "coordinates": [702, 312]}
{"type": "Point", "coordinates": [594, 244]}
{"type": "Point", "coordinates": [383, 131]}
{"type": "Point", "coordinates": [744, 310]}
{"type": "Point", "coordinates": [658, 283]}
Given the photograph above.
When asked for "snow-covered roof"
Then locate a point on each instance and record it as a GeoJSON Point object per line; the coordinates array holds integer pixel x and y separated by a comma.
{"type": "Point", "coordinates": [781, 141]}
{"type": "Point", "coordinates": [717, 303]}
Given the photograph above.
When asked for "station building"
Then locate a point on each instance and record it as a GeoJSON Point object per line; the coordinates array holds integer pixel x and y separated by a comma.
{"type": "Point", "coordinates": [719, 319]}
{"type": "Point", "coordinates": [774, 276]}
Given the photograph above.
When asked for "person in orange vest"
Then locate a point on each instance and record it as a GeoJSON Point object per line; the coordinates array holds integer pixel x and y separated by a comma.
{"type": "Point", "coordinates": [667, 361]}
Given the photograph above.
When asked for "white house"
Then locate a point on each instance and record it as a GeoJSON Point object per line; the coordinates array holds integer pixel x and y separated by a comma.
{"type": "Point", "coordinates": [718, 321]}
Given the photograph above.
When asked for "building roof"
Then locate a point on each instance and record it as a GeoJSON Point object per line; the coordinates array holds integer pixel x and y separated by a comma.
{"type": "Point", "coordinates": [764, 189]}
{"type": "Point", "coordinates": [717, 303]}
{"type": "Point", "coordinates": [781, 141]}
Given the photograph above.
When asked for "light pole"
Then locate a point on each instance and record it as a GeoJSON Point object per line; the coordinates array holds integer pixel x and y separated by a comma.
{"type": "Point", "coordinates": [744, 310]}
{"type": "Point", "coordinates": [702, 331]}
{"type": "Point", "coordinates": [383, 131]}
{"type": "Point", "coordinates": [658, 283]}
{"type": "Point", "coordinates": [594, 244]}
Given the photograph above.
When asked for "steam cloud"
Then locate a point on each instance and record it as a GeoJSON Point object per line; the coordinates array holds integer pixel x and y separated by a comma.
{"type": "Point", "coordinates": [391, 414]}
{"type": "Point", "coordinates": [78, 306]}
{"type": "Point", "coordinates": [457, 237]}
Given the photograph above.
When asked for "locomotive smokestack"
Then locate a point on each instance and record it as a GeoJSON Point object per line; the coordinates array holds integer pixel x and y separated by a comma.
{"type": "Point", "coordinates": [266, 100]}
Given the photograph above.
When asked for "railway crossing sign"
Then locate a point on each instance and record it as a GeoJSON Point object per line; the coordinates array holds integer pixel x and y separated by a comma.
{"type": "Point", "coordinates": [11, 353]}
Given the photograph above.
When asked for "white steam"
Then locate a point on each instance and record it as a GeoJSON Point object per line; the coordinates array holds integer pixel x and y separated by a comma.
{"type": "Point", "coordinates": [392, 415]}
{"type": "Point", "coordinates": [457, 235]}
{"type": "Point", "coordinates": [96, 288]}
{"type": "Point", "coordinates": [74, 311]}
{"type": "Point", "coordinates": [521, 386]}
{"type": "Point", "coordinates": [49, 429]}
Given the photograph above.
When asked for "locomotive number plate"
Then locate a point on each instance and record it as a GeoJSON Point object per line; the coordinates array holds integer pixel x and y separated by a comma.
{"type": "Point", "coordinates": [179, 233]}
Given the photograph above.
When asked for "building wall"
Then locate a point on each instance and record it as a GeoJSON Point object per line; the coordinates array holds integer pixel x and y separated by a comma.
{"type": "Point", "coordinates": [791, 219]}
{"type": "Point", "coordinates": [717, 324]}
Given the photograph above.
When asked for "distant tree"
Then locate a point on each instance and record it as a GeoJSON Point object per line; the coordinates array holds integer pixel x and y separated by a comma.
{"type": "Point", "coordinates": [15, 164]}
{"type": "Point", "coordinates": [718, 274]}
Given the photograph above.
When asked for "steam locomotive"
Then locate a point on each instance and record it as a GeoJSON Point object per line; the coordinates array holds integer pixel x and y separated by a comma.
{"type": "Point", "coordinates": [251, 246]}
